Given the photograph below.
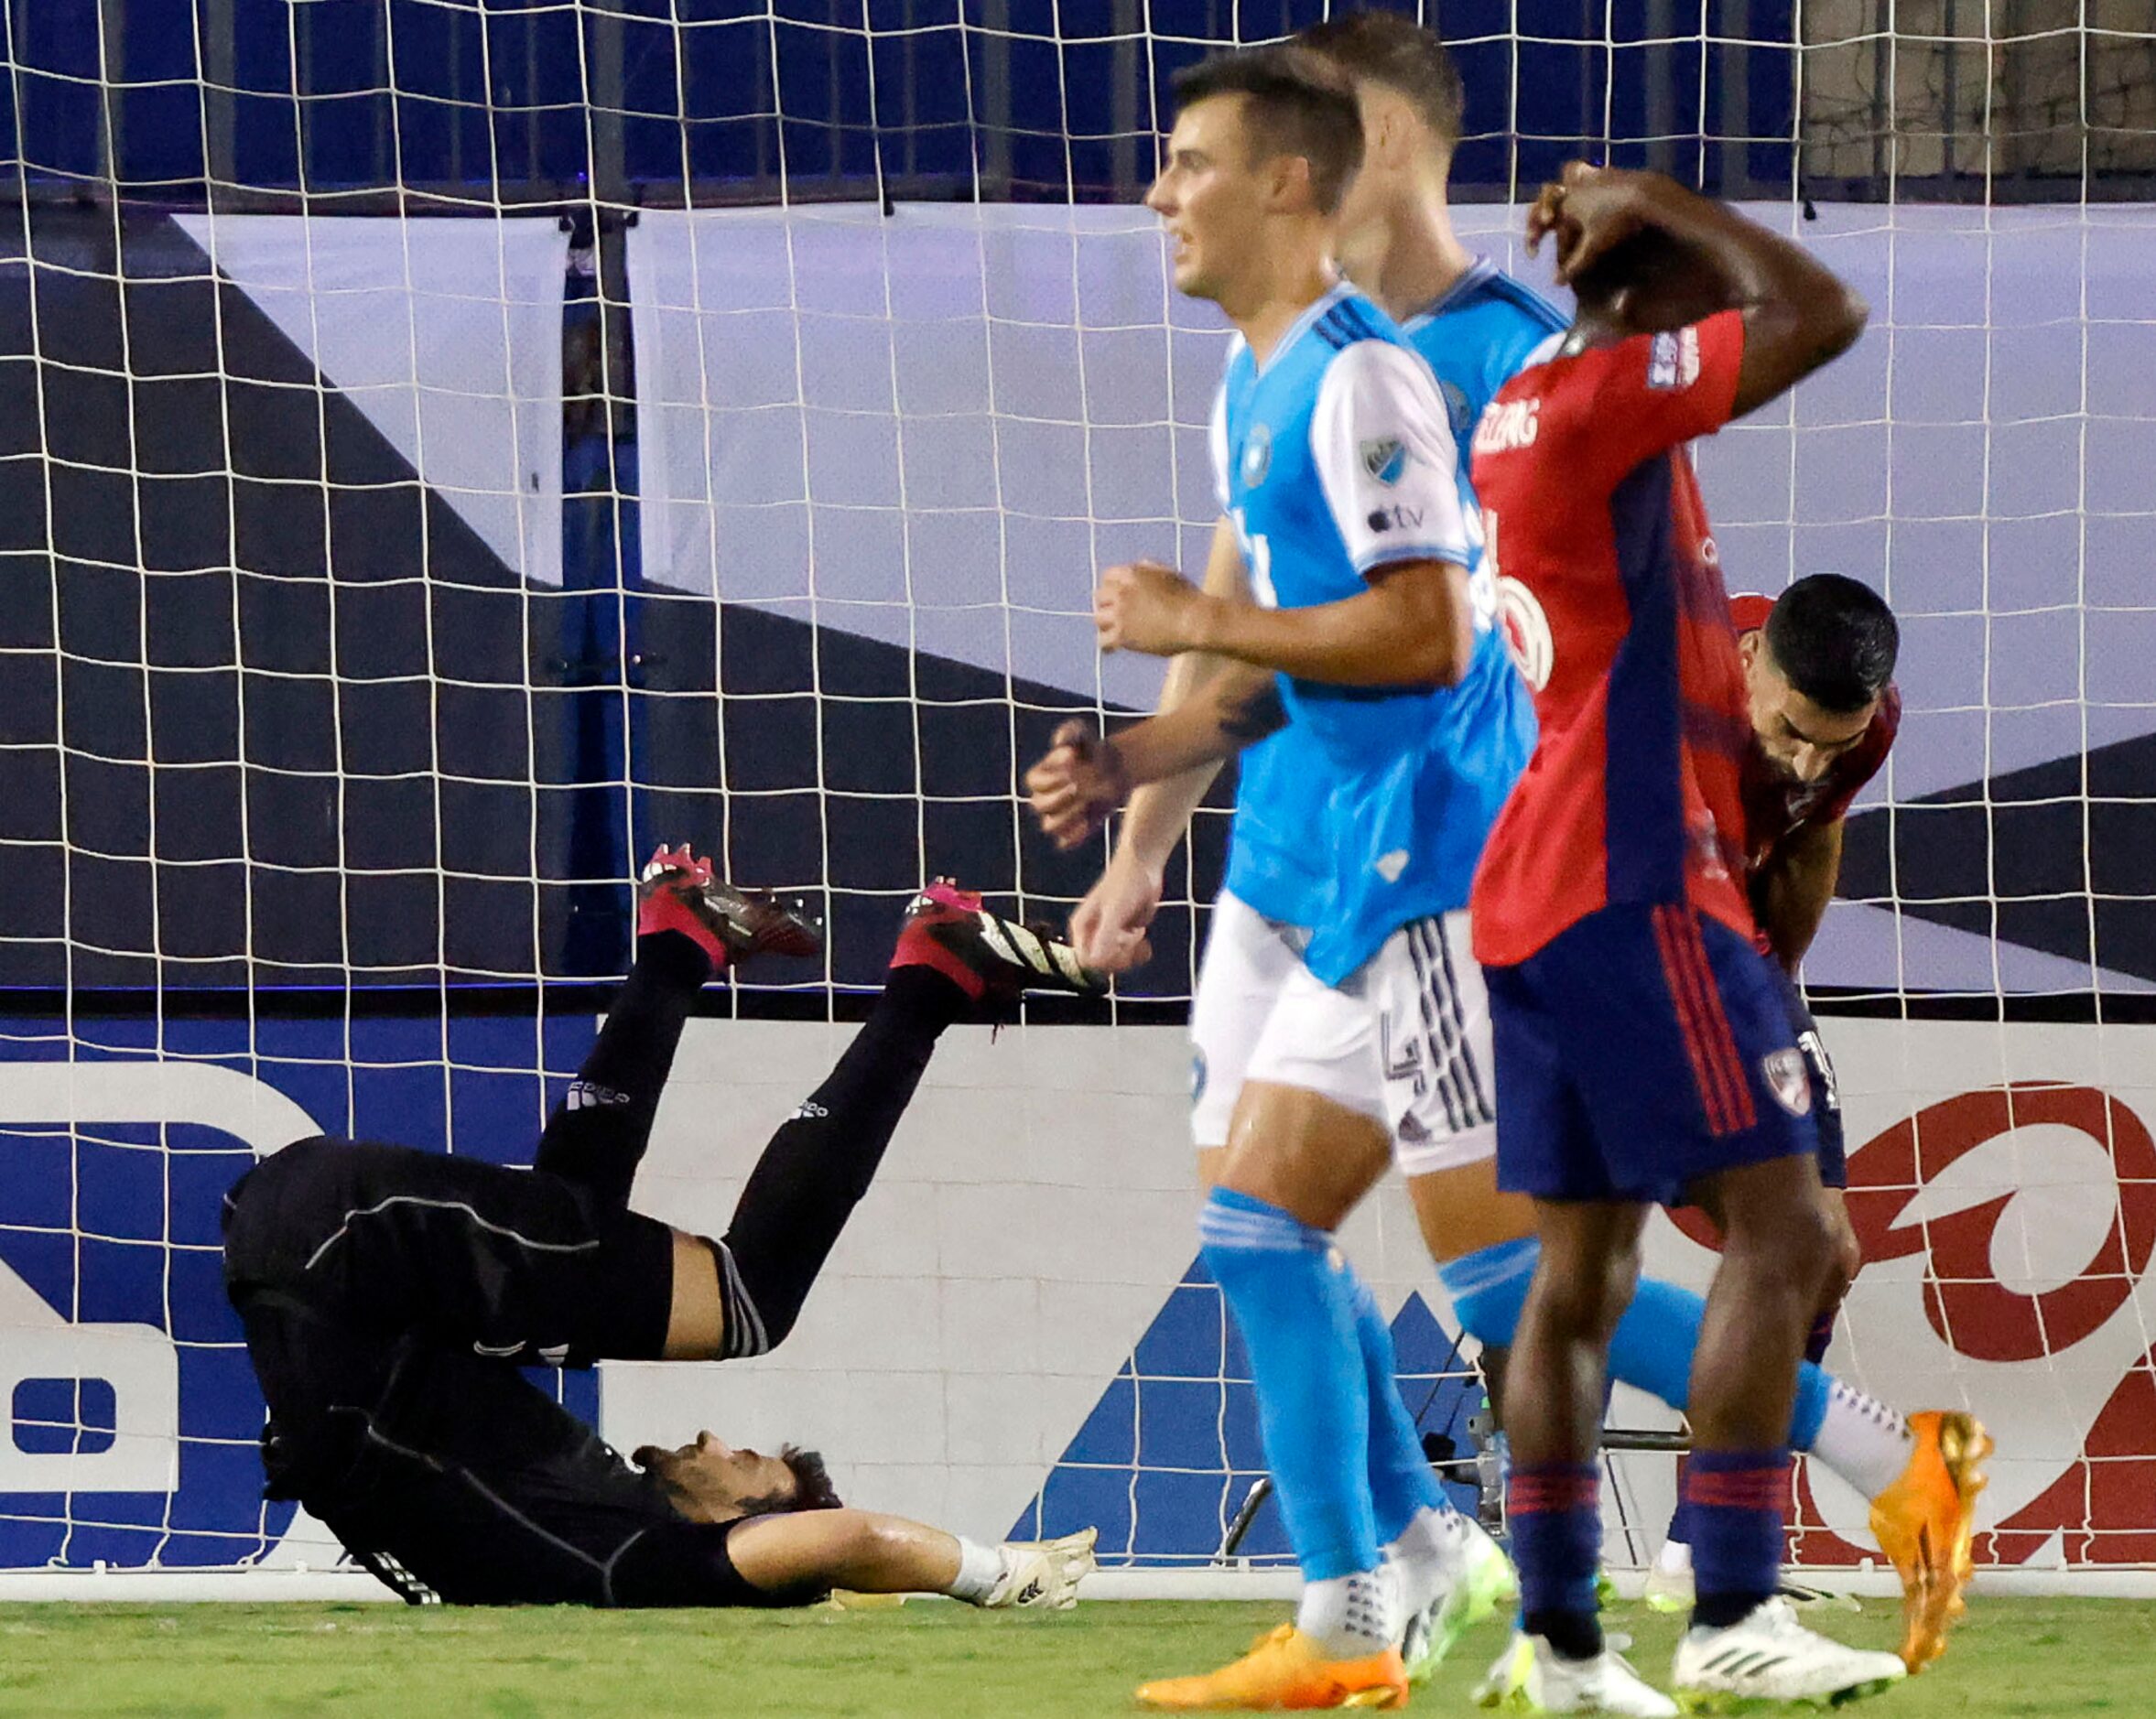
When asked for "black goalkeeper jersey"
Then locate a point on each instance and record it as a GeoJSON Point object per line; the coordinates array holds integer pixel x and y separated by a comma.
{"type": "Point", "coordinates": [382, 1293]}
{"type": "Point", "coordinates": [452, 1477]}
{"type": "Point", "coordinates": [470, 1484]}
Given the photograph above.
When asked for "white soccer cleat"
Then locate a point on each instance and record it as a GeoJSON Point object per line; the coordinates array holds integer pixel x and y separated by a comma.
{"type": "Point", "coordinates": [1668, 1591]}
{"type": "Point", "coordinates": [1532, 1677]}
{"type": "Point", "coordinates": [1768, 1659]}
{"type": "Point", "coordinates": [1477, 1579]}
{"type": "Point", "coordinates": [1044, 1574]}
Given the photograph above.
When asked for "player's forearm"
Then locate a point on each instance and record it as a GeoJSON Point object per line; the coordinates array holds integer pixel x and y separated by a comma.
{"type": "Point", "coordinates": [1757, 267]}
{"type": "Point", "coordinates": [1160, 809]}
{"type": "Point", "coordinates": [1172, 759]}
{"type": "Point", "coordinates": [1408, 631]}
{"type": "Point", "coordinates": [1798, 314]}
{"type": "Point", "coordinates": [1192, 671]}
{"type": "Point", "coordinates": [1790, 897]}
{"type": "Point", "coordinates": [861, 1550]}
{"type": "Point", "coordinates": [1235, 709]}
{"type": "Point", "coordinates": [1157, 816]}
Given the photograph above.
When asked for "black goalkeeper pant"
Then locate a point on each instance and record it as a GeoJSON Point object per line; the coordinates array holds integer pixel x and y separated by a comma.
{"type": "Point", "coordinates": [389, 1296]}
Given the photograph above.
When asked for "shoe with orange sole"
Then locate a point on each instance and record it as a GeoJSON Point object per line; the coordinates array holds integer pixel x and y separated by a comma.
{"type": "Point", "coordinates": [1286, 1672]}
{"type": "Point", "coordinates": [1923, 1521]}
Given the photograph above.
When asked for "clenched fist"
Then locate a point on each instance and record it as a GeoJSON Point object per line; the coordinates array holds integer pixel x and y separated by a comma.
{"type": "Point", "coordinates": [1078, 785]}
{"type": "Point", "coordinates": [1145, 607]}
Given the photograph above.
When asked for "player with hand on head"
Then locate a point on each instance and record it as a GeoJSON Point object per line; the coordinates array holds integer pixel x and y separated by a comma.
{"type": "Point", "coordinates": [1818, 668]}
{"type": "Point", "coordinates": [1343, 502]}
{"type": "Point", "coordinates": [1644, 1052]}
{"type": "Point", "coordinates": [389, 1296]}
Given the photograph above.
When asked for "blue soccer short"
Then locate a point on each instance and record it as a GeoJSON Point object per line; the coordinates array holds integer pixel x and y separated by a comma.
{"type": "Point", "coordinates": [1827, 1098]}
{"type": "Point", "coordinates": [1637, 1051]}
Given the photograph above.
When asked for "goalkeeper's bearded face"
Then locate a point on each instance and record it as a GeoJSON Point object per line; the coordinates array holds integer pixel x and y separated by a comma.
{"type": "Point", "coordinates": [710, 1481]}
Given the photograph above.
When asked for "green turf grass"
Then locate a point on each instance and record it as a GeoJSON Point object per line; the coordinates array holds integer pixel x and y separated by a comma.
{"type": "Point", "coordinates": [208, 1662]}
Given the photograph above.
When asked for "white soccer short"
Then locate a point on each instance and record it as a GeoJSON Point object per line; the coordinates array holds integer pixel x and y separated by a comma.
{"type": "Point", "coordinates": [1405, 1041]}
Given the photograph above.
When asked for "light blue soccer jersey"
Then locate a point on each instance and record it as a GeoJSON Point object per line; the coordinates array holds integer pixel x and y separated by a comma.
{"type": "Point", "coordinates": [1292, 784]}
{"type": "Point", "coordinates": [1477, 337]}
{"type": "Point", "coordinates": [1337, 459]}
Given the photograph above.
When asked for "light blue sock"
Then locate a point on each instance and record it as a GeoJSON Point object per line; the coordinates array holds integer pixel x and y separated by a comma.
{"type": "Point", "coordinates": [1296, 1310]}
{"type": "Point", "coordinates": [1488, 1288]}
{"type": "Point", "coordinates": [1653, 1347]}
{"type": "Point", "coordinates": [1401, 1482]}
{"type": "Point", "coordinates": [1654, 1341]}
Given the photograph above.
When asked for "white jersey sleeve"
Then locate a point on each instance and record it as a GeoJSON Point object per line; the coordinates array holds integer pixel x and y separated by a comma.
{"type": "Point", "coordinates": [1216, 444]}
{"type": "Point", "coordinates": [1381, 440]}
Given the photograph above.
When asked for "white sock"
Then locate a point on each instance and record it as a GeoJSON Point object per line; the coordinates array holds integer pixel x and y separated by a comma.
{"type": "Point", "coordinates": [1427, 1555]}
{"type": "Point", "coordinates": [1862, 1440]}
{"type": "Point", "coordinates": [1349, 1616]}
{"type": "Point", "coordinates": [980, 1569]}
{"type": "Point", "coordinates": [1674, 1558]}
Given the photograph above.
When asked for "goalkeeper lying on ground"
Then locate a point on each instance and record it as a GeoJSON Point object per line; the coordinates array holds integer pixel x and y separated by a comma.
{"type": "Point", "coordinates": [390, 1296]}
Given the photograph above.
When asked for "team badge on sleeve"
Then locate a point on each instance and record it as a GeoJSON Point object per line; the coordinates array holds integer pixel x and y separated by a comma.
{"type": "Point", "coordinates": [1674, 359]}
{"type": "Point", "coordinates": [1384, 459]}
{"type": "Point", "coordinates": [1788, 1080]}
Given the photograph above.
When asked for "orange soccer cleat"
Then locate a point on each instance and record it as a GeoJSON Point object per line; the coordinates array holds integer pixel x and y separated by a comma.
{"type": "Point", "coordinates": [1285, 1671]}
{"type": "Point", "coordinates": [1923, 1522]}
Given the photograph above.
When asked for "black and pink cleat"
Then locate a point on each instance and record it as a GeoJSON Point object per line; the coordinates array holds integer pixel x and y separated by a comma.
{"type": "Point", "coordinates": [984, 954]}
{"type": "Point", "coordinates": [678, 892]}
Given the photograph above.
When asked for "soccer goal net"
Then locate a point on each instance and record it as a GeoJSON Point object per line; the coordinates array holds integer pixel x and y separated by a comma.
{"type": "Point", "coordinates": [450, 449]}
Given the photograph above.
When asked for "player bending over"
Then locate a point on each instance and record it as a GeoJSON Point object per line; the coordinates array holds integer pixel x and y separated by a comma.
{"type": "Point", "coordinates": [1643, 1046]}
{"type": "Point", "coordinates": [1818, 667]}
{"type": "Point", "coordinates": [1475, 328]}
{"type": "Point", "coordinates": [1343, 501]}
{"type": "Point", "coordinates": [389, 1296]}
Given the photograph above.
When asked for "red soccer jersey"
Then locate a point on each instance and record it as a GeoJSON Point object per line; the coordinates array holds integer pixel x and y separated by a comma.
{"type": "Point", "coordinates": [1618, 618]}
{"type": "Point", "coordinates": [1775, 806]}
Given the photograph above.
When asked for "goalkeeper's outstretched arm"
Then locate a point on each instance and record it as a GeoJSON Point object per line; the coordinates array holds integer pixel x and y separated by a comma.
{"type": "Point", "coordinates": [869, 1553]}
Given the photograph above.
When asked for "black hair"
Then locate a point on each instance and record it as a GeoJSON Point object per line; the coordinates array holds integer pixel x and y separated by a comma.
{"type": "Point", "coordinates": [1298, 104]}
{"type": "Point", "coordinates": [812, 1490]}
{"type": "Point", "coordinates": [1834, 640]}
{"type": "Point", "coordinates": [1391, 48]}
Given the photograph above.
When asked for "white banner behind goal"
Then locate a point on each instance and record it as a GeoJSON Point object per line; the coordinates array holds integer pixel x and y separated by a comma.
{"type": "Point", "coordinates": [932, 428]}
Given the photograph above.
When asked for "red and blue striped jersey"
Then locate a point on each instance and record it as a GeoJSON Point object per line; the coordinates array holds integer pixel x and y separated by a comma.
{"type": "Point", "coordinates": [1612, 601]}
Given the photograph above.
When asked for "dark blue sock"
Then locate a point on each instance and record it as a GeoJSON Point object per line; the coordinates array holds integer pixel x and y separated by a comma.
{"type": "Point", "coordinates": [1295, 1307]}
{"type": "Point", "coordinates": [1680, 1519]}
{"type": "Point", "coordinates": [1734, 1501]}
{"type": "Point", "coordinates": [1554, 1511]}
